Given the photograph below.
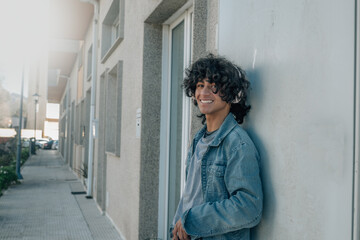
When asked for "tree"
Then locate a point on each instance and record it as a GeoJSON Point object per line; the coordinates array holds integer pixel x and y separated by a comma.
{"type": "Point", "coordinates": [5, 103]}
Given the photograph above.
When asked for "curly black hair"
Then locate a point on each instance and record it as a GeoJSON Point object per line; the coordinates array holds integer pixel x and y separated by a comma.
{"type": "Point", "coordinates": [230, 81]}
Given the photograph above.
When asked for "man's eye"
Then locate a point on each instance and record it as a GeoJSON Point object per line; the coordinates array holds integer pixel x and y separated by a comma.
{"type": "Point", "coordinates": [200, 86]}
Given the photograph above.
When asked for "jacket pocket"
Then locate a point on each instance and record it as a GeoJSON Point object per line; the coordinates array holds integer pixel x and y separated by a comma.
{"type": "Point", "coordinates": [216, 188]}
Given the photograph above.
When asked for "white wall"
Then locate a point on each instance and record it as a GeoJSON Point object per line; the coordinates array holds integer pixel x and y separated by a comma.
{"type": "Point", "coordinates": [299, 56]}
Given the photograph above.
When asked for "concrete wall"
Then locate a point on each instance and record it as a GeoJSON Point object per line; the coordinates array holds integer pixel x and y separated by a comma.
{"type": "Point", "coordinates": [299, 56]}
{"type": "Point", "coordinates": [150, 131]}
{"type": "Point", "coordinates": [212, 27]}
{"type": "Point", "coordinates": [122, 174]}
{"type": "Point", "coordinates": [100, 161]}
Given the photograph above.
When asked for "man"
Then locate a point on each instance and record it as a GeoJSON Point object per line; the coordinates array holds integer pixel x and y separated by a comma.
{"type": "Point", "coordinates": [223, 196]}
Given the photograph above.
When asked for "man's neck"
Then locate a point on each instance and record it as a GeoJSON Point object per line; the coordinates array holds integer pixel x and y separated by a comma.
{"type": "Point", "coordinates": [214, 123]}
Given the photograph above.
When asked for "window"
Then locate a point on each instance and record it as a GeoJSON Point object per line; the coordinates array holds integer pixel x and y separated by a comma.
{"type": "Point", "coordinates": [113, 110]}
{"type": "Point", "coordinates": [112, 29]}
{"type": "Point", "coordinates": [115, 30]}
{"type": "Point", "coordinates": [80, 83]}
{"type": "Point", "coordinates": [63, 105]}
{"type": "Point", "coordinates": [86, 124]}
{"type": "Point", "coordinates": [77, 125]}
{"type": "Point", "coordinates": [89, 63]}
{"type": "Point", "coordinates": [80, 123]}
{"type": "Point", "coordinates": [80, 55]}
{"type": "Point", "coordinates": [62, 135]}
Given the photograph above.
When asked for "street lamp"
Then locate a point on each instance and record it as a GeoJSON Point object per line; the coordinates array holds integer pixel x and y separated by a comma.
{"type": "Point", "coordinates": [18, 152]}
{"type": "Point", "coordinates": [36, 99]}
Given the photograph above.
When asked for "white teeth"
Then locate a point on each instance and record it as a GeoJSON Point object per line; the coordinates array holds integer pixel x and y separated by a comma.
{"type": "Point", "coordinates": [206, 101]}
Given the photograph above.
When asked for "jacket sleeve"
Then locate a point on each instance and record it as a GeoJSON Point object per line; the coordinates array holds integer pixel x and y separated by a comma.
{"type": "Point", "coordinates": [177, 215]}
{"type": "Point", "coordinates": [243, 209]}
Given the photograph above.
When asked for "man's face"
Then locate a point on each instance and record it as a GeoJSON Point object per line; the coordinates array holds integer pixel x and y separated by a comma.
{"type": "Point", "coordinates": [209, 102]}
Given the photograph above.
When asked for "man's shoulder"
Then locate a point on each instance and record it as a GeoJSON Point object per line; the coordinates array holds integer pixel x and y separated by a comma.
{"type": "Point", "coordinates": [238, 136]}
{"type": "Point", "coordinates": [238, 139]}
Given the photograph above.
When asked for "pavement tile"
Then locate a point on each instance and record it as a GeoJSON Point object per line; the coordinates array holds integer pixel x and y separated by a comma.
{"type": "Point", "coordinates": [42, 206]}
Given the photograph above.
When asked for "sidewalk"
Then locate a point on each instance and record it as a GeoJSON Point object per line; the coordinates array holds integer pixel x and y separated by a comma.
{"type": "Point", "coordinates": [42, 206]}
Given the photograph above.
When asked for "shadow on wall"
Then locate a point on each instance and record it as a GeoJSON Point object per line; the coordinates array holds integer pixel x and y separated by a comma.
{"type": "Point", "coordinates": [256, 101]}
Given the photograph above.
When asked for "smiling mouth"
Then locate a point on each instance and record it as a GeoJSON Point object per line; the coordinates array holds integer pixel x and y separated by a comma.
{"type": "Point", "coordinates": [206, 101]}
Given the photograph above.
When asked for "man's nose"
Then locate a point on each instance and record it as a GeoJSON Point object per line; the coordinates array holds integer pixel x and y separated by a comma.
{"type": "Point", "coordinates": [206, 91]}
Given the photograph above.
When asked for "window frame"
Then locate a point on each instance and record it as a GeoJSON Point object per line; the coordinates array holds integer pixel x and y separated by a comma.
{"type": "Point", "coordinates": [113, 21]}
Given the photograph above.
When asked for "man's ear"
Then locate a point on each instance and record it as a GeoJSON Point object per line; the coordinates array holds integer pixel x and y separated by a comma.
{"type": "Point", "coordinates": [194, 100]}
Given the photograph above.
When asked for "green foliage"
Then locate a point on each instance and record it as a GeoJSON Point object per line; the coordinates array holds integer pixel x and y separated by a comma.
{"type": "Point", "coordinates": [83, 171]}
{"type": "Point", "coordinates": [7, 176]}
{"type": "Point", "coordinates": [6, 159]}
{"type": "Point", "coordinates": [24, 155]}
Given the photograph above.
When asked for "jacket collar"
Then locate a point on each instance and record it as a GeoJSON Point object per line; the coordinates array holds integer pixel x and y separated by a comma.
{"type": "Point", "coordinates": [228, 124]}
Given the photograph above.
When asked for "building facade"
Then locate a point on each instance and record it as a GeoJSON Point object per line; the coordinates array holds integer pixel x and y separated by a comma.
{"type": "Point", "coordinates": [127, 71]}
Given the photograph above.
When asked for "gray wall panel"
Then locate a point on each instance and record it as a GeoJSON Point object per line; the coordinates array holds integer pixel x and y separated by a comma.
{"type": "Point", "coordinates": [86, 124]}
{"type": "Point", "coordinates": [101, 162]}
{"type": "Point", "coordinates": [299, 56]}
{"type": "Point", "coordinates": [150, 132]}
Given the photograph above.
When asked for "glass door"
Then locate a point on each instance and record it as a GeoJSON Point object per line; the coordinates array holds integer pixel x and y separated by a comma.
{"type": "Point", "coordinates": [176, 103]}
{"type": "Point", "coordinates": [175, 117]}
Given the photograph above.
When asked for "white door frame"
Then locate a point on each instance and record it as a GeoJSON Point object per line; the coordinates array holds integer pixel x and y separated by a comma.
{"type": "Point", "coordinates": [186, 14]}
{"type": "Point", "coordinates": [356, 177]}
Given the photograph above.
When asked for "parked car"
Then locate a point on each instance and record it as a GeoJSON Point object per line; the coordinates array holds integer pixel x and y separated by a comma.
{"type": "Point", "coordinates": [25, 142]}
{"type": "Point", "coordinates": [40, 142]}
{"type": "Point", "coordinates": [55, 145]}
{"type": "Point", "coordinates": [48, 144]}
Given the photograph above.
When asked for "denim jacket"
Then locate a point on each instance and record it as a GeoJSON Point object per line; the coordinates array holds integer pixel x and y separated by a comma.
{"type": "Point", "coordinates": [231, 186]}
